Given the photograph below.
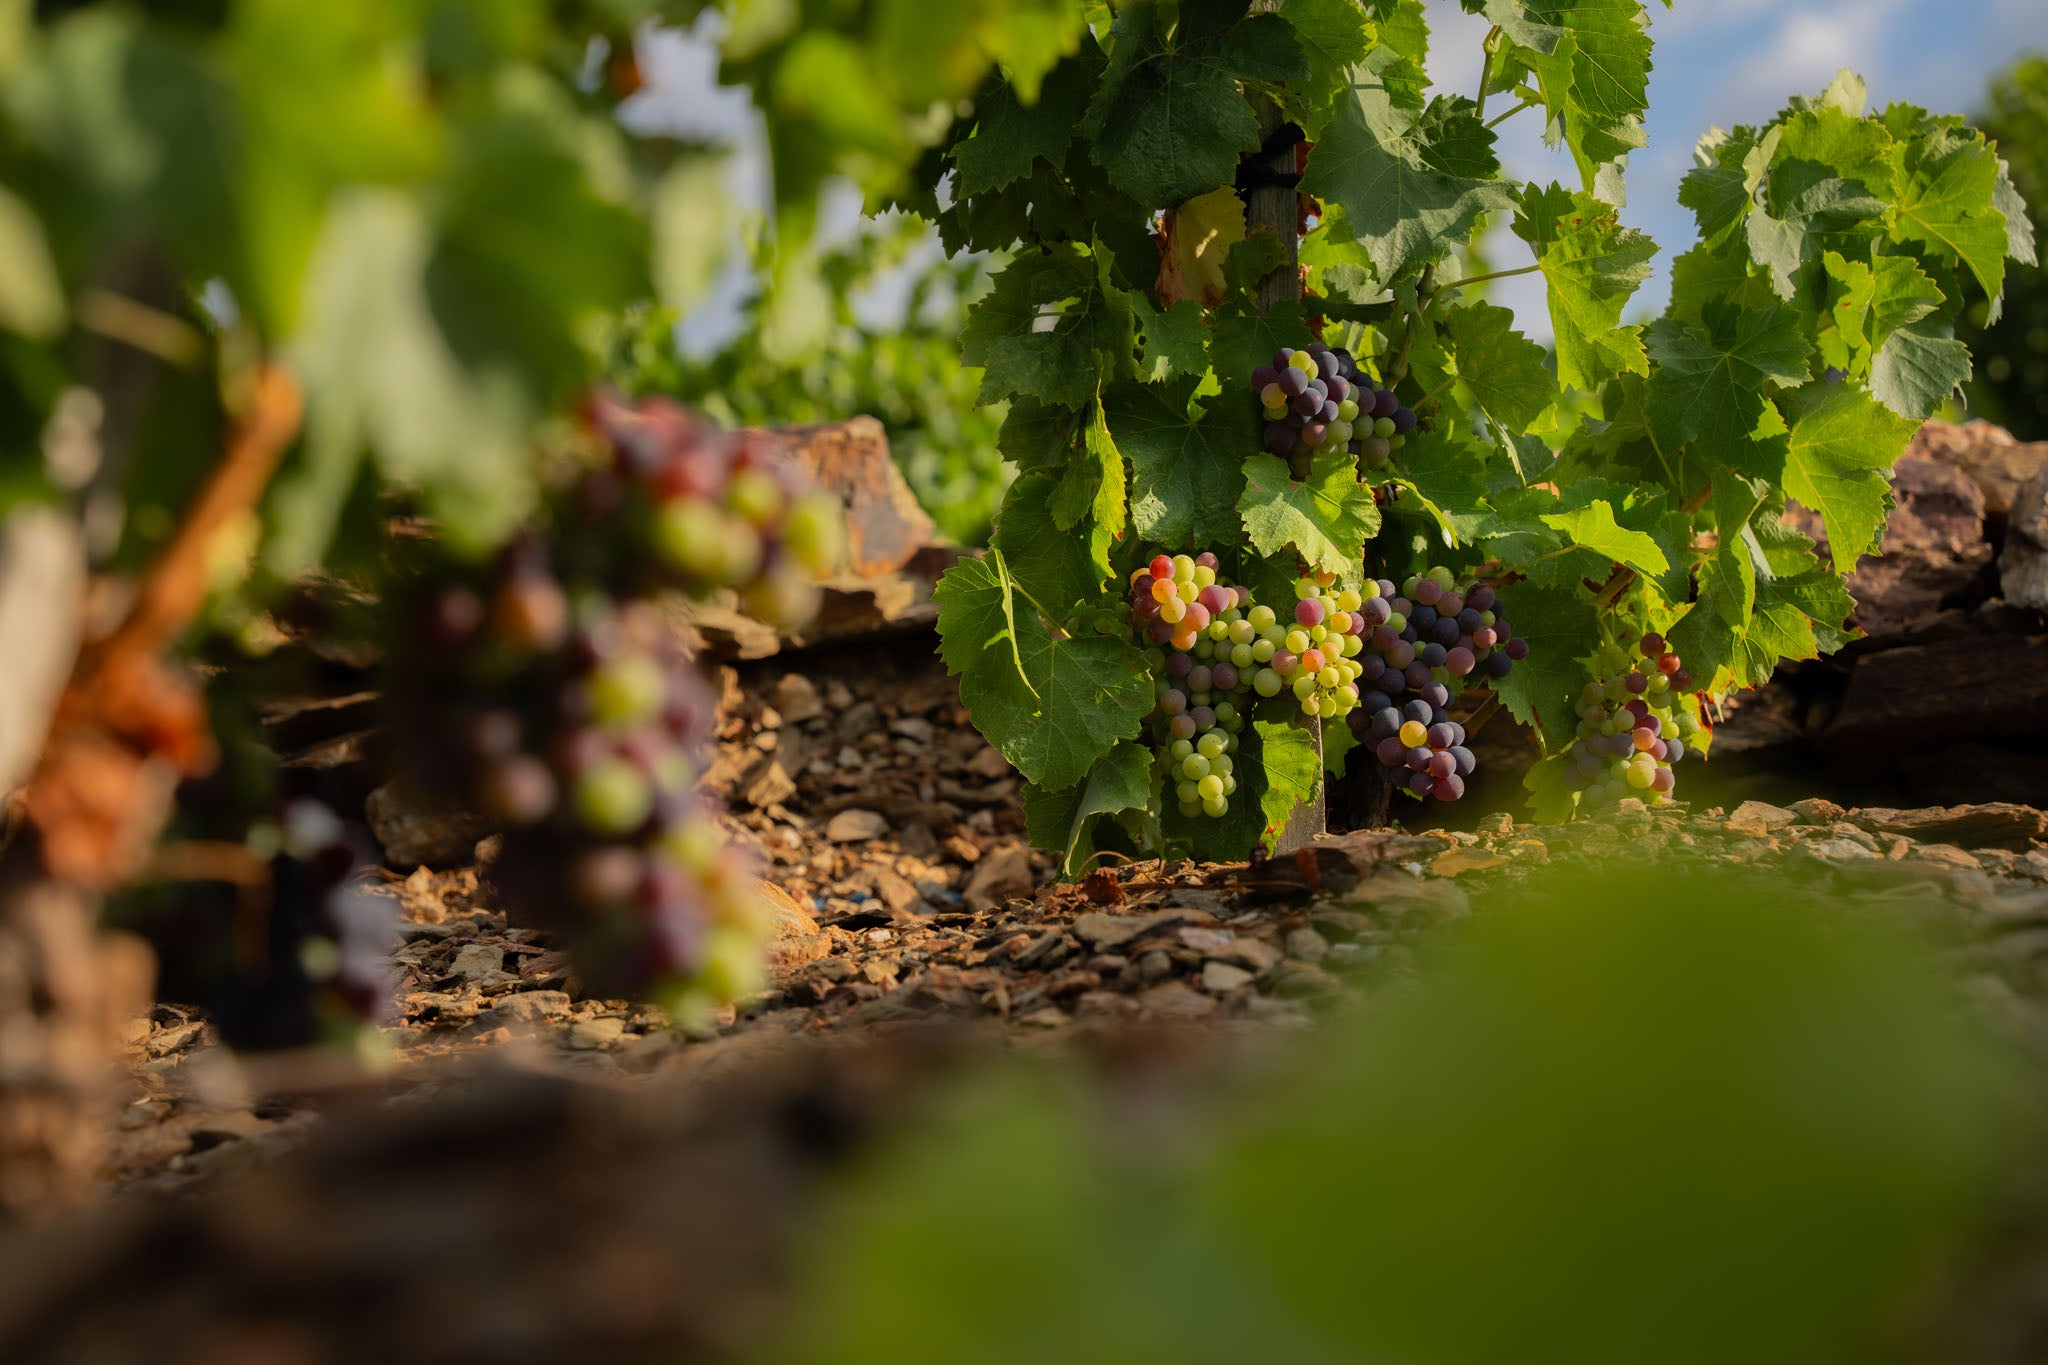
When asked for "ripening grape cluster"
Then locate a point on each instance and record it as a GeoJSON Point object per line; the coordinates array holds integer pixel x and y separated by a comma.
{"type": "Point", "coordinates": [682, 503]}
{"type": "Point", "coordinates": [1427, 643]}
{"type": "Point", "coordinates": [1315, 654]}
{"type": "Point", "coordinates": [545, 690]}
{"type": "Point", "coordinates": [1190, 619]}
{"type": "Point", "coordinates": [1317, 397]}
{"type": "Point", "coordinates": [1634, 726]}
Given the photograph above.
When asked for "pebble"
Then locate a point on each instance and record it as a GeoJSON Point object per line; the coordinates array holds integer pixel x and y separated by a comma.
{"type": "Point", "coordinates": [591, 1035]}
{"type": "Point", "coordinates": [478, 961]}
{"type": "Point", "coordinates": [1830, 851]}
{"type": "Point", "coordinates": [856, 826]}
{"type": "Point", "coordinates": [1306, 945]}
{"type": "Point", "coordinates": [1759, 817]}
{"type": "Point", "coordinates": [1220, 978]}
{"type": "Point", "coordinates": [1174, 1000]}
{"type": "Point", "coordinates": [532, 1006]}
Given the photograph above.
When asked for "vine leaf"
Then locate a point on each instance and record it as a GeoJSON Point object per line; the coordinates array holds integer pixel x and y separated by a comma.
{"type": "Point", "coordinates": [1503, 368]}
{"type": "Point", "coordinates": [1293, 768]}
{"type": "Point", "coordinates": [1091, 338]}
{"type": "Point", "coordinates": [1168, 121]}
{"type": "Point", "coordinates": [1052, 705]}
{"type": "Point", "coordinates": [1841, 442]}
{"type": "Point", "coordinates": [1060, 821]}
{"type": "Point", "coordinates": [1186, 471]}
{"type": "Point", "coordinates": [1326, 520]}
{"type": "Point", "coordinates": [1592, 527]}
{"type": "Point", "coordinates": [1729, 645]}
{"type": "Point", "coordinates": [1946, 187]}
{"type": "Point", "coordinates": [1595, 78]}
{"type": "Point", "coordinates": [1563, 629]}
{"type": "Point", "coordinates": [1592, 264]}
{"type": "Point", "coordinates": [1709, 384]}
{"type": "Point", "coordinates": [1056, 566]}
{"type": "Point", "coordinates": [1918, 366]}
{"type": "Point", "coordinates": [1411, 183]}
{"type": "Point", "coordinates": [1175, 340]}
{"type": "Point", "coordinates": [1333, 37]}
{"type": "Point", "coordinates": [1010, 135]}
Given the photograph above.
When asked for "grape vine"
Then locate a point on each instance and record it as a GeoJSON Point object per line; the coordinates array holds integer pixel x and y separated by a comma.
{"type": "Point", "coordinates": [1400, 430]}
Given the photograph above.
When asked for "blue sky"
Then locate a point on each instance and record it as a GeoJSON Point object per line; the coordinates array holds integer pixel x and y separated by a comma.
{"type": "Point", "coordinates": [1717, 62]}
{"type": "Point", "coordinates": [1723, 62]}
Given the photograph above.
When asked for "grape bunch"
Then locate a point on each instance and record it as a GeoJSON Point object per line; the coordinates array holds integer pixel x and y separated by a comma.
{"type": "Point", "coordinates": [1318, 397]}
{"type": "Point", "coordinates": [548, 690]}
{"type": "Point", "coordinates": [1635, 724]}
{"type": "Point", "coordinates": [1178, 602]}
{"type": "Point", "coordinates": [1424, 646]}
{"type": "Point", "coordinates": [677, 502]}
{"type": "Point", "coordinates": [1315, 654]}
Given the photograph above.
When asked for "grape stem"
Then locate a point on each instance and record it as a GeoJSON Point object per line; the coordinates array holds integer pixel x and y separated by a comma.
{"type": "Point", "coordinates": [1499, 119]}
{"type": "Point", "coordinates": [1486, 48]}
{"type": "Point", "coordinates": [1424, 293]}
{"type": "Point", "coordinates": [1489, 275]}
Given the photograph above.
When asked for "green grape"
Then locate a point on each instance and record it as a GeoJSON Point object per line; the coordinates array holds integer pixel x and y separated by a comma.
{"type": "Point", "coordinates": [627, 692]}
{"type": "Point", "coordinates": [1194, 766]}
{"type": "Point", "coordinates": [689, 535]}
{"type": "Point", "coordinates": [754, 494]}
{"type": "Point", "coordinates": [814, 533]}
{"type": "Point", "coordinates": [612, 799]}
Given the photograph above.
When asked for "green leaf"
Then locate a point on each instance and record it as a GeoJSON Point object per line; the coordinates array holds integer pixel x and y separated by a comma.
{"type": "Point", "coordinates": [1562, 628]}
{"type": "Point", "coordinates": [1333, 37]}
{"type": "Point", "coordinates": [1009, 134]}
{"type": "Point", "coordinates": [1918, 367]}
{"type": "Point", "coordinates": [1168, 121]}
{"type": "Point", "coordinates": [1727, 645]}
{"type": "Point", "coordinates": [1553, 796]}
{"type": "Point", "coordinates": [1244, 341]}
{"type": "Point", "coordinates": [1057, 565]}
{"type": "Point", "coordinates": [1411, 184]}
{"type": "Point", "coordinates": [1445, 471]}
{"type": "Point", "coordinates": [1090, 341]}
{"type": "Point", "coordinates": [1176, 341]}
{"type": "Point", "coordinates": [1503, 368]}
{"type": "Point", "coordinates": [1186, 472]}
{"type": "Point", "coordinates": [1592, 264]}
{"type": "Point", "coordinates": [1592, 527]}
{"type": "Point", "coordinates": [1946, 185]}
{"type": "Point", "coordinates": [1709, 384]}
{"type": "Point", "coordinates": [1051, 705]}
{"type": "Point", "coordinates": [1059, 821]}
{"type": "Point", "coordinates": [1842, 441]}
{"type": "Point", "coordinates": [1292, 766]}
{"type": "Point", "coordinates": [1595, 79]}
{"type": "Point", "coordinates": [1326, 520]}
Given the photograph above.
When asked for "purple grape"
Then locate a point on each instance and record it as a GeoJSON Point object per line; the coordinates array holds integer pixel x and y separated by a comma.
{"type": "Point", "coordinates": [1312, 434]}
{"type": "Point", "coordinates": [1421, 784]}
{"type": "Point", "coordinates": [1224, 677]}
{"type": "Point", "coordinates": [1173, 701]}
{"type": "Point", "coordinates": [1181, 727]}
{"type": "Point", "coordinates": [1466, 762]}
{"type": "Point", "coordinates": [1340, 387]}
{"type": "Point", "coordinates": [1386, 721]}
{"type": "Point", "coordinates": [1436, 694]}
{"type": "Point", "coordinates": [1327, 364]}
{"type": "Point", "coordinates": [1204, 717]}
{"type": "Point", "coordinates": [1200, 678]}
{"type": "Point", "coordinates": [1417, 710]}
{"type": "Point", "coordinates": [1383, 403]}
{"type": "Point", "coordinates": [1375, 701]}
{"type": "Point", "coordinates": [1431, 655]}
{"type": "Point", "coordinates": [1446, 631]}
{"type": "Point", "coordinates": [1416, 673]}
{"type": "Point", "coordinates": [1480, 598]}
{"type": "Point", "coordinates": [1178, 664]}
{"type": "Point", "coordinates": [1264, 375]}
{"type": "Point", "coordinates": [1292, 382]}
{"type": "Point", "coordinates": [1498, 665]}
{"type": "Point", "coordinates": [1376, 611]}
{"type": "Point", "coordinates": [1279, 438]}
{"type": "Point", "coordinates": [1518, 650]}
{"type": "Point", "coordinates": [1441, 736]}
{"type": "Point", "coordinates": [1449, 788]}
{"type": "Point", "coordinates": [1329, 411]}
{"type": "Point", "coordinates": [1391, 752]}
{"type": "Point", "coordinates": [1404, 421]}
{"type": "Point", "coordinates": [1418, 757]}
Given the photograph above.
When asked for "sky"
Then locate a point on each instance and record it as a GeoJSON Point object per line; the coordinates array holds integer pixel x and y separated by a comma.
{"type": "Point", "coordinates": [1724, 62]}
{"type": "Point", "coordinates": [1716, 63]}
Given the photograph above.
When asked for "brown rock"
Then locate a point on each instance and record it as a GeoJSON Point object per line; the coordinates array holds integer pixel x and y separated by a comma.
{"type": "Point", "coordinates": [1987, 455]}
{"type": "Point", "coordinates": [1002, 873]}
{"type": "Point", "coordinates": [1914, 694]}
{"type": "Point", "coordinates": [1105, 932]}
{"type": "Point", "coordinates": [2000, 824]}
{"type": "Point", "coordinates": [1759, 817]}
{"type": "Point", "coordinates": [885, 526]}
{"type": "Point", "coordinates": [797, 699]}
{"type": "Point", "coordinates": [413, 830]}
{"type": "Point", "coordinates": [1220, 978]}
{"type": "Point", "coordinates": [795, 939]}
{"type": "Point", "coordinates": [856, 826]}
{"type": "Point", "coordinates": [2023, 563]}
